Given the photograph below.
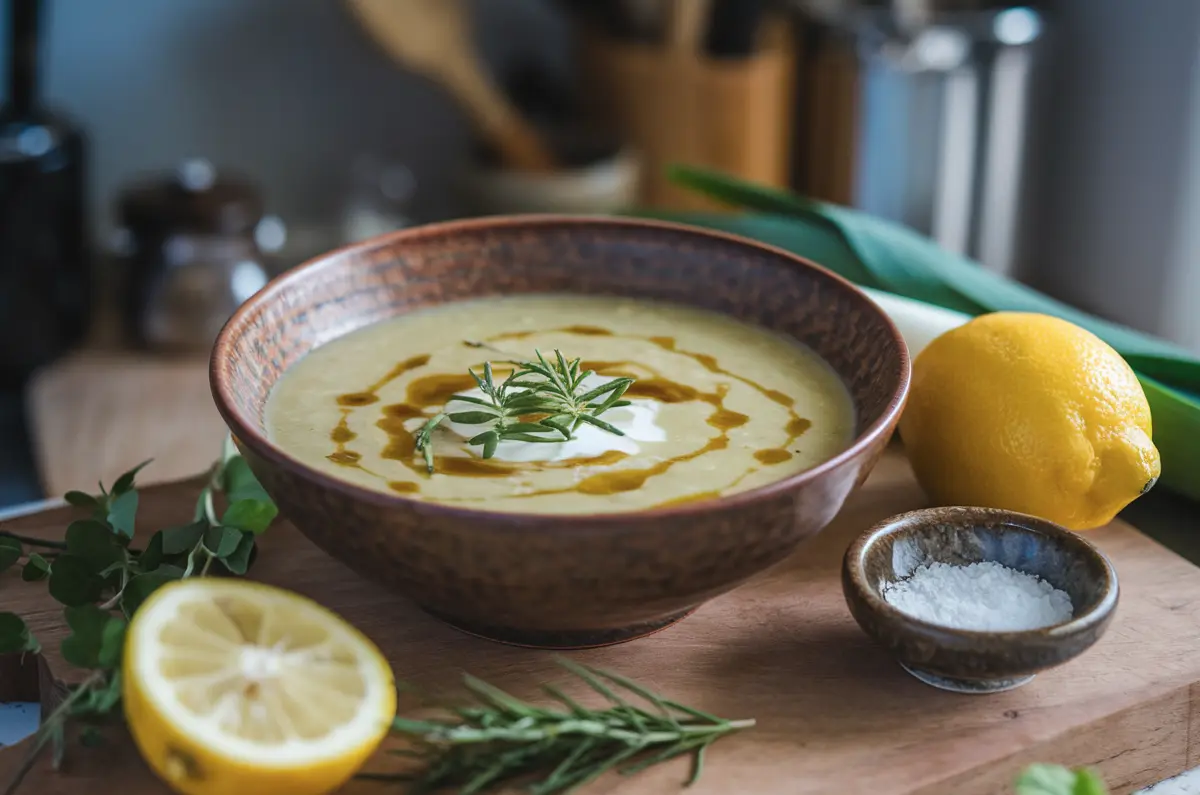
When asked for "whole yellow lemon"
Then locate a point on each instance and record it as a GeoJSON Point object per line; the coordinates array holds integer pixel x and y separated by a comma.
{"type": "Point", "coordinates": [1029, 413]}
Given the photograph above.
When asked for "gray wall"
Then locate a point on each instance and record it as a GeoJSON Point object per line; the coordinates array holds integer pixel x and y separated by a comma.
{"type": "Point", "coordinates": [1114, 202]}
{"type": "Point", "coordinates": [286, 90]}
{"type": "Point", "coordinates": [290, 90]}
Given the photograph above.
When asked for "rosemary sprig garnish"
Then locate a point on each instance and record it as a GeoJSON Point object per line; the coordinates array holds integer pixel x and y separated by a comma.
{"type": "Point", "coordinates": [538, 402]}
{"type": "Point", "coordinates": [500, 740]}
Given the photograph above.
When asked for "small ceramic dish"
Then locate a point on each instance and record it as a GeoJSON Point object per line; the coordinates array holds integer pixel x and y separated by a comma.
{"type": "Point", "coordinates": [969, 661]}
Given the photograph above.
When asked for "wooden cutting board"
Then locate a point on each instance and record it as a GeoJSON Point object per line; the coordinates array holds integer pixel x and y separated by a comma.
{"type": "Point", "coordinates": [835, 713]}
{"type": "Point", "coordinates": [98, 413]}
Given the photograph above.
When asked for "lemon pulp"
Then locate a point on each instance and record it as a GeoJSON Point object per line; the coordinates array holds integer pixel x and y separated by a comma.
{"type": "Point", "coordinates": [233, 686]}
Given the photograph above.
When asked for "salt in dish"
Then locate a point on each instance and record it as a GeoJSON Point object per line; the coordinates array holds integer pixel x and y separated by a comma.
{"type": "Point", "coordinates": [984, 597]}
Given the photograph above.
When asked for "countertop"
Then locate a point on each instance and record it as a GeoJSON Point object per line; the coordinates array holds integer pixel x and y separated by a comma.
{"type": "Point", "coordinates": [61, 398]}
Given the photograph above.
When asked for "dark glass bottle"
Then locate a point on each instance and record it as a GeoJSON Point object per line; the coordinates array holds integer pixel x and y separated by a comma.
{"type": "Point", "coordinates": [45, 273]}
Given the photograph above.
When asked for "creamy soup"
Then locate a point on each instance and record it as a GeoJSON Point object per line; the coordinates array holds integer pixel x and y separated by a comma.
{"type": "Point", "coordinates": [716, 406]}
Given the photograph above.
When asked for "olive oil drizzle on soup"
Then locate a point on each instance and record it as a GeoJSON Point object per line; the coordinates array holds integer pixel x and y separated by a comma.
{"type": "Point", "coordinates": [731, 406]}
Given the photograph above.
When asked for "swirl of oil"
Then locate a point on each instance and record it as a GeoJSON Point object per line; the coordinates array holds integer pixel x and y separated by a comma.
{"type": "Point", "coordinates": [428, 394]}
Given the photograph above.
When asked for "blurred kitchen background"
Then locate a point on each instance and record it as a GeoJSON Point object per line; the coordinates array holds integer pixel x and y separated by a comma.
{"type": "Point", "coordinates": [160, 160]}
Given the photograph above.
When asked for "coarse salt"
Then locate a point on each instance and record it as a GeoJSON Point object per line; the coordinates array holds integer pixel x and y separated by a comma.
{"type": "Point", "coordinates": [987, 597]}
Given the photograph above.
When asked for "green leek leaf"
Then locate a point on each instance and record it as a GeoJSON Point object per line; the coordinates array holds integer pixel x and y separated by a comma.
{"type": "Point", "coordinates": [891, 252]}
{"type": "Point", "coordinates": [823, 245]}
{"type": "Point", "coordinates": [899, 272]}
{"type": "Point", "coordinates": [1176, 419]}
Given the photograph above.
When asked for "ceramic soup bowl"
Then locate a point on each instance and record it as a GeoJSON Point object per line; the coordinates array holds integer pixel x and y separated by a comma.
{"type": "Point", "coordinates": [546, 580]}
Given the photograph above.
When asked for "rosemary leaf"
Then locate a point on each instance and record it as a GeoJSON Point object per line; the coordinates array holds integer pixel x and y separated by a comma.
{"type": "Point", "coordinates": [496, 697]}
{"type": "Point", "coordinates": [485, 386]}
{"type": "Point", "coordinates": [524, 427]}
{"type": "Point", "coordinates": [525, 437]}
{"type": "Point", "coordinates": [475, 400]}
{"type": "Point", "coordinates": [601, 424]}
{"type": "Point", "coordinates": [474, 417]}
{"type": "Point", "coordinates": [620, 385]}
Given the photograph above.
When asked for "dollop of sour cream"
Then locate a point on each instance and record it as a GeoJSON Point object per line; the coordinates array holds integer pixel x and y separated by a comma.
{"type": "Point", "coordinates": [638, 421]}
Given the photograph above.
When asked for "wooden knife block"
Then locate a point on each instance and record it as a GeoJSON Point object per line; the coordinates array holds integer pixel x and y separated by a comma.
{"type": "Point", "coordinates": [674, 107]}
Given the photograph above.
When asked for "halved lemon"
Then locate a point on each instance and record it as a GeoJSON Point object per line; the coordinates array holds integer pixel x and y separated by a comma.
{"type": "Point", "coordinates": [237, 687]}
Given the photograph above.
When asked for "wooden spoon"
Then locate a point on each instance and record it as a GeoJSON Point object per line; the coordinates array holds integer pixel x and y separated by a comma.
{"type": "Point", "coordinates": [687, 22]}
{"type": "Point", "coordinates": [432, 37]}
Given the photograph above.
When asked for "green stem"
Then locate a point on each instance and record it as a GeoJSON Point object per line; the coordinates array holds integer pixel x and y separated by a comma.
{"type": "Point", "coordinates": [464, 735]}
{"type": "Point", "coordinates": [33, 542]}
{"type": "Point", "coordinates": [191, 562]}
{"type": "Point", "coordinates": [208, 562]}
{"type": "Point", "coordinates": [210, 509]}
{"type": "Point", "coordinates": [116, 599]}
{"type": "Point", "coordinates": [52, 724]}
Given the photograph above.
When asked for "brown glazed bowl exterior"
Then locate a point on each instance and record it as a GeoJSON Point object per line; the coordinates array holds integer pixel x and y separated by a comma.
{"type": "Point", "coordinates": [542, 579]}
{"type": "Point", "coordinates": [960, 536]}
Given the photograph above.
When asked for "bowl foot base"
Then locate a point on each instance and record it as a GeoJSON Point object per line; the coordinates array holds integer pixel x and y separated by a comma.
{"type": "Point", "coordinates": [970, 686]}
{"type": "Point", "coordinates": [558, 639]}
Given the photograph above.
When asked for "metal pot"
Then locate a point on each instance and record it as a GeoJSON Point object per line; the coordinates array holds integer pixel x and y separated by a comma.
{"type": "Point", "coordinates": [944, 95]}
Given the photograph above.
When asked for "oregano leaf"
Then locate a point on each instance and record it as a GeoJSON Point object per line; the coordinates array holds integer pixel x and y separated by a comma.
{"type": "Point", "coordinates": [253, 515]}
{"type": "Point", "coordinates": [111, 640]}
{"type": "Point", "coordinates": [122, 511]}
{"type": "Point", "coordinates": [82, 647]}
{"type": "Point", "coordinates": [239, 483]}
{"type": "Point", "coordinates": [36, 568]}
{"type": "Point", "coordinates": [221, 542]}
{"type": "Point", "coordinates": [177, 540]}
{"type": "Point", "coordinates": [242, 558]}
{"type": "Point", "coordinates": [1089, 783]}
{"type": "Point", "coordinates": [15, 635]}
{"type": "Point", "coordinates": [152, 556]}
{"type": "Point", "coordinates": [106, 697]}
{"type": "Point", "coordinates": [141, 586]}
{"type": "Point", "coordinates": [10, 552]}
{"type": "Point", "coordinates": [1046, 780]}
{"type": "Point", "coordinates": [125, 482]}
{"type": "Point", "coordinates": [73, 582]}
{"type": "Point", "coordinates": [93, 542]}
{"type": "Point", "coordinates": [80, 499]}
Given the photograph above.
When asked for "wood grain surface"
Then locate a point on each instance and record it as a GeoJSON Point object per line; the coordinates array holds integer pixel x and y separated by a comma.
{"type": "Point", "coordinates": [835, 714]}
{"type": "Point", "coordinates": [95, 414]}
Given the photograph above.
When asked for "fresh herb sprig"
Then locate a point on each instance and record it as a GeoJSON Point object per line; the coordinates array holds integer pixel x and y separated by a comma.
{"type": "Point", "coordinates": [1058, 780]}
{"type": "Point", "coordinates": [500, 740]}
{"type": "Point", "coordinates": [536, 399]}
{"type": "Point", "coordinates": [101, 580]}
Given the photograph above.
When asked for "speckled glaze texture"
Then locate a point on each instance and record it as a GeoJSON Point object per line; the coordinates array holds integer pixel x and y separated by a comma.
{"type": "Point", "coordinates": [547, 580]}
{"type": "Point", "coordinates": [978, 661]}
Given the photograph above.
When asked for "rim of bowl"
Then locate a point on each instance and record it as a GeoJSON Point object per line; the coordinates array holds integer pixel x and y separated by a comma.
{"type": "Point", "coordinates": [963, 517]}
{"type": "Point", "coordinates": [257, 440]}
